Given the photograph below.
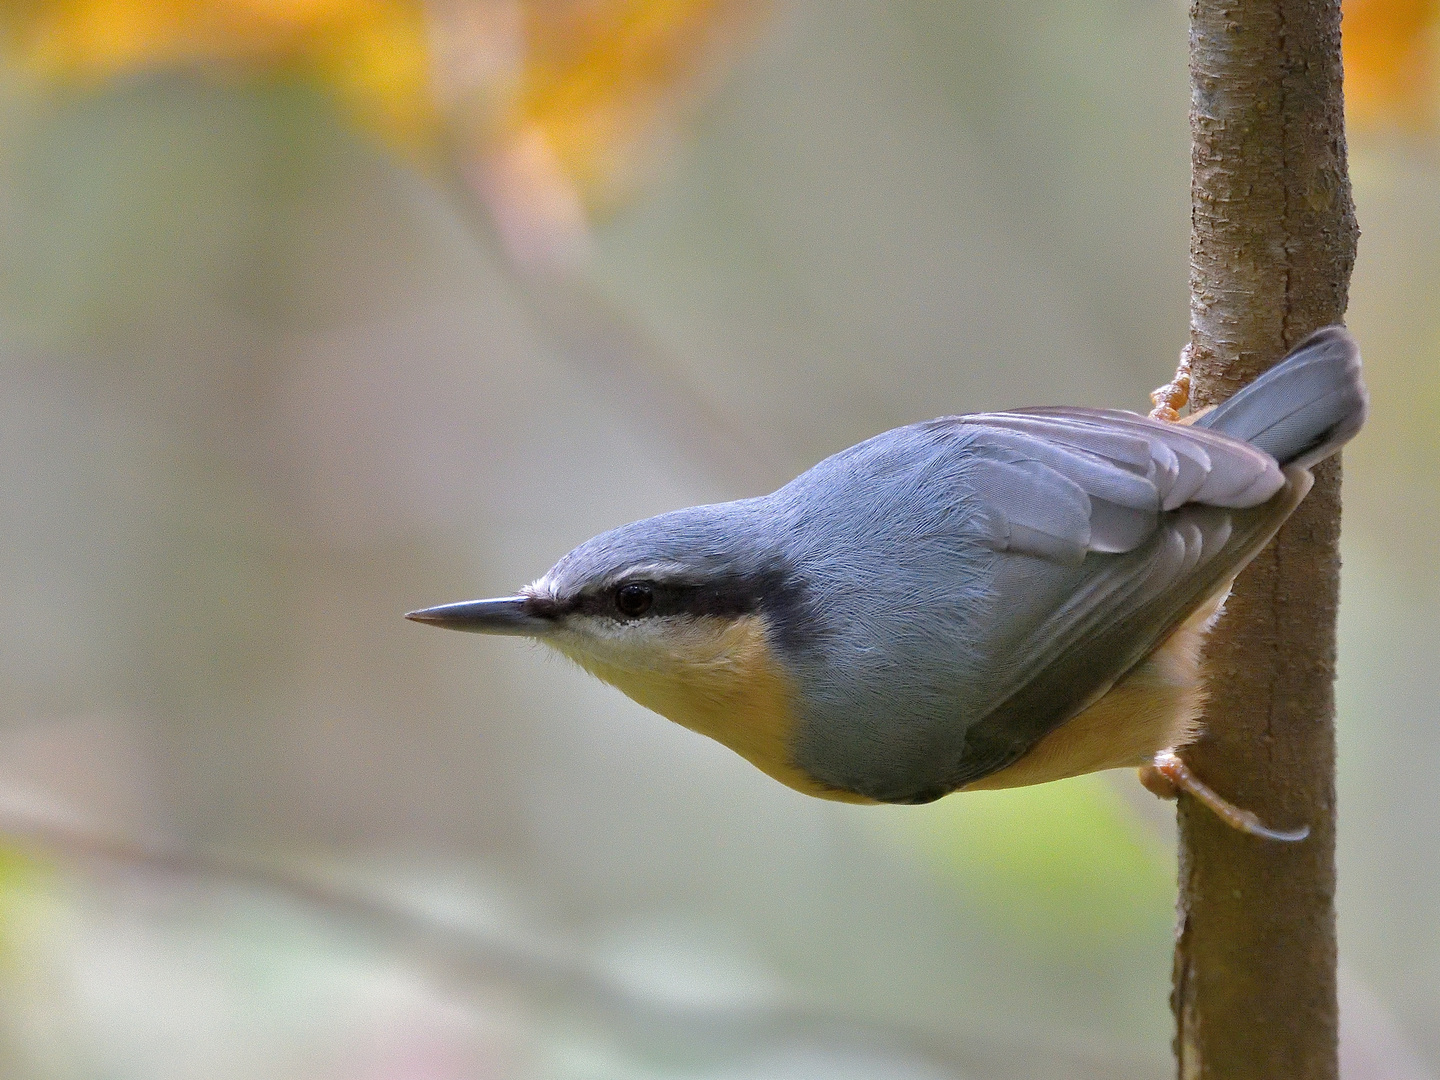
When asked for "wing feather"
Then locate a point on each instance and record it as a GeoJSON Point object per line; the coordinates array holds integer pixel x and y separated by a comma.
{"type": "Point", "coordinates": [1113, 529]}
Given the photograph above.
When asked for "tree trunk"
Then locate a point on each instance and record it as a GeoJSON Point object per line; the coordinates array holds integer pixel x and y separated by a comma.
{"type": "Point", "coordinates": [1272, 244]}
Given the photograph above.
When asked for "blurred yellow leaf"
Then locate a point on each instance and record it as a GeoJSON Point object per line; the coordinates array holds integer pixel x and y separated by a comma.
{"type": "Point", "coordinates": [602, 75]}
{"type": "Point", "coordinates": [1390, 63]}
{"type": "Point", "coordinates": [566, 95]}
{"type": "Point", "coordinates": [372, 55]}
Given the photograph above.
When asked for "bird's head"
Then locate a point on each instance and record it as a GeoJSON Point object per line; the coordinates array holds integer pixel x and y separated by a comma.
{"type": "Point", "coordinates": [644, 595]}
{"type": "Point", "coordinates": [684, 613]}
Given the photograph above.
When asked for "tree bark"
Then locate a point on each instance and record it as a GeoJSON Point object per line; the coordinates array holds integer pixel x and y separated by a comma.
{"type": "Point", "coordinates": [1273, 239]}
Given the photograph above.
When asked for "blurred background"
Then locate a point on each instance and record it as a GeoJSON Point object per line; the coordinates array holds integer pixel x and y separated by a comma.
{"type": "Point", "coordinates": [316, 311]}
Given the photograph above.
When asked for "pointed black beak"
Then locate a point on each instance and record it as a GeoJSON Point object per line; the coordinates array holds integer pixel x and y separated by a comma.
{"type": "Point", "coordinates": [522, 615]}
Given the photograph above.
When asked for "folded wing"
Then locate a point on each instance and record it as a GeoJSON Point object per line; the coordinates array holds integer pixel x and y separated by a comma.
{"type": "Point", "coordinates": [1112, 530]}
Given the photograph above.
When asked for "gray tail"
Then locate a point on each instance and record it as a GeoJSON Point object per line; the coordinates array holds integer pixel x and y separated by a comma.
{"type": "Point", "coordinates": [1303, 409]}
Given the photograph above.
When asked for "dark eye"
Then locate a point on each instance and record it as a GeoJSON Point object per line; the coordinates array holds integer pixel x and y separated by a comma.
{"type": "Point", "coordinates": [634, 599]}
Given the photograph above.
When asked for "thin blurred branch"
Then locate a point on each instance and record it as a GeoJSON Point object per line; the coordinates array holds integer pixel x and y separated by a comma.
{"type": "Point", "coordinates": [641, 385]}
{"type": "Point", "coordinates": [441, 940]}
{"type": "Point", "coordinates": [602, 86]}
{"type": "Point", "coordinates": [628, 371]}
{"type": "Point", "coordinates": [536, 116]}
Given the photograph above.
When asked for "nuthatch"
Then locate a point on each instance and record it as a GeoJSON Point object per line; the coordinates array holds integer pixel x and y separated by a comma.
{"type": "Point", "coordinates": [979, 601]}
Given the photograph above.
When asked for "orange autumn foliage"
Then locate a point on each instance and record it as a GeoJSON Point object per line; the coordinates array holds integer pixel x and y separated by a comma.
{"type": "Point", "coordinates": [1390, 63]}
{"type": "Point", "coordinates": [595, 79]}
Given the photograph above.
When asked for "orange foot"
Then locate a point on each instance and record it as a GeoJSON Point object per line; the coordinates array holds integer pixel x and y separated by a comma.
{"type": "Point", "coordinates": [1167, 776]}
{"type": "Point", "coordinates": [1174, 395]}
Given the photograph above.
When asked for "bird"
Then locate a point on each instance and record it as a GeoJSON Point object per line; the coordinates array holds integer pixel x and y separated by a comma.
{"type": "Point", "coordinates": [981, 601]}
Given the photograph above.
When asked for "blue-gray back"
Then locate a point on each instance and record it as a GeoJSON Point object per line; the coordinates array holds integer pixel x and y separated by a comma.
{"type": "Point", "coordinates": [972, 582]}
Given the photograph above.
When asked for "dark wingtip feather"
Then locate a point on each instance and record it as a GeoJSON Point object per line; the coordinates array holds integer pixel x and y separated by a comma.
{"type": "Point", "coordinates": [1303, 409]}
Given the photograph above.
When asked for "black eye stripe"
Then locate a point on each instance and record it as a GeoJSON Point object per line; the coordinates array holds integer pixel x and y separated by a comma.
{"type": "Point", "coordinates": [776, 594]}
{"type": "Point", "coordinates": [719, 599]}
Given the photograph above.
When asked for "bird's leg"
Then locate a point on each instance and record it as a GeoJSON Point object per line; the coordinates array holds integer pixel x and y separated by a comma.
{"type": "Point", "coordinates": [1167, 776]}
{"type": "Point", "coordinates": [1174, 395]}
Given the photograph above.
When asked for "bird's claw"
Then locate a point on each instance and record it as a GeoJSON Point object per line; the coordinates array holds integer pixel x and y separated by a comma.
{"type": "Point", "coordinates": [1167, 776]}
{"type": "Point", "coordinates": [1174, 395]}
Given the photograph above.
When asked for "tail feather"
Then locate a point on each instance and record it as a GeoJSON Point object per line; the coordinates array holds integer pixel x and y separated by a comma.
{"type": "Point", "coordinates": [1303, 409]}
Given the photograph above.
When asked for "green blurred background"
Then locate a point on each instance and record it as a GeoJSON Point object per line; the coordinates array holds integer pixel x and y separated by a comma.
{"type": "Point", "coordinates": [266, 383]}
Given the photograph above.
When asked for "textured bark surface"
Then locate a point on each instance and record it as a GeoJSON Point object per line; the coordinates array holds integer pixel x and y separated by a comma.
{"type": "Point", "coordinates": [1272, 244]}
